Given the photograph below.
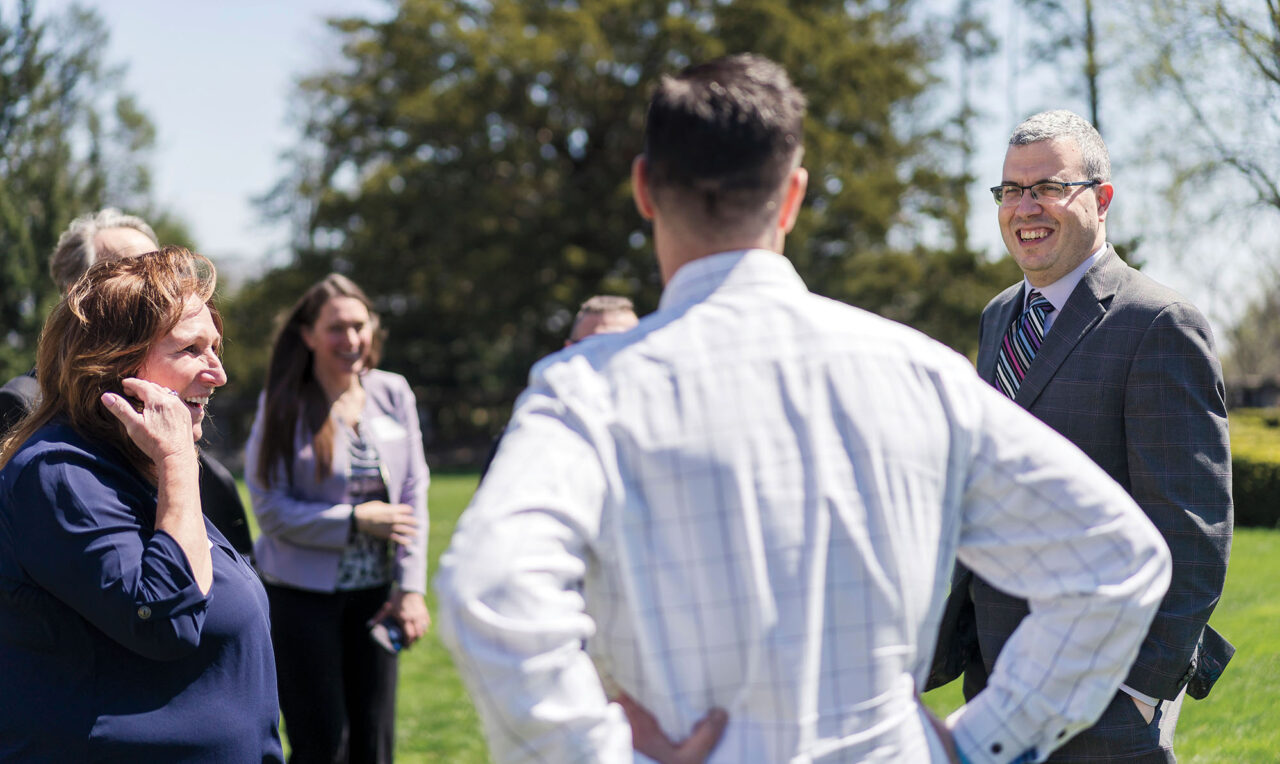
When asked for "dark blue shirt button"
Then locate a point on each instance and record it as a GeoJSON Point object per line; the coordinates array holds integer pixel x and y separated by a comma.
{"type": "Point", "coordinates": [996, 748]}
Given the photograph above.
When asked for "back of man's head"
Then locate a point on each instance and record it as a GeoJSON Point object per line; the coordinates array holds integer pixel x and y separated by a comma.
{"type": "Point", "coordinates": [78, 246]}
{"type": "Point", "coordinates": [721, 138]}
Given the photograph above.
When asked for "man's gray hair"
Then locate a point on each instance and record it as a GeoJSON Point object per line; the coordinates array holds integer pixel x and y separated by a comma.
{"type": "Point", "coordinates": [1051, 125]}
{"type": "Point", "coordinates": [76, 250]}
{"type": "Point", "coordinates": [599, 305]}
{"type": "Point", "coordinates": [605, 303]}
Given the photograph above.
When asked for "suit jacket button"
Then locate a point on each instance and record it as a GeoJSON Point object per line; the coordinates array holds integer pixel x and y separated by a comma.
{"type": "Point", "coordinates": [144, 612]}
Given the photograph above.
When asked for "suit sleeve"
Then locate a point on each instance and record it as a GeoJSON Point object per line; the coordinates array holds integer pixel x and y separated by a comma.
{"type": "Point", "coordinates": [17, 398]}
{"type": "Point", "coordinates": [220, 501]}
{"type": "Point", "coordinates": [87, 545]}
{"type": "Point", "coordinates": [317, 524]}
{"type": "Point", "coordinates": [1179, 459]}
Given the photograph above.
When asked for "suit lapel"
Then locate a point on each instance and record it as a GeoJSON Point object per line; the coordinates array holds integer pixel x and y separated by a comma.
{"type": "Point", "coordinates": [1085, 307]}
{"type": "Point", "coordinates": [993, 332]}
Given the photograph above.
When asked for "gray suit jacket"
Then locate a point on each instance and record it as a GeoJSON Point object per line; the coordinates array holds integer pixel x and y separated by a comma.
{"type": "Point", "coordinates": [1128, 373]}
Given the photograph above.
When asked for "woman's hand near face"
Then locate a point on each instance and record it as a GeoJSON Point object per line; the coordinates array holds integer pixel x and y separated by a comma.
{"type": "Point", "coordinates": [394, 522]}
{"type": "Point", "coordinates": [163, 431]}
{"type": "Point", "coordinates": [163, 428]}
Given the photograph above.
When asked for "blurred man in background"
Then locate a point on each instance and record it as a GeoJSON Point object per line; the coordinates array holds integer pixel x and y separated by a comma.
{"type": "Point", "coordinates": [602, 314]}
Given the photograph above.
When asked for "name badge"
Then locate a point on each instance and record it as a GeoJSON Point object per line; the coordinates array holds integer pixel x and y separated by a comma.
{"type": "Point", "coordinates": [385, 428]}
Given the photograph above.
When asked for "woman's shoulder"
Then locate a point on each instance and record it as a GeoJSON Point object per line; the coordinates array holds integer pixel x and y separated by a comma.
{"type": "Point", "coordinates": [387, 386]}
{"type": "Point", "coordinates": [384, 379]}
{"type": "Point", "coordinates": [58, 448]}
{"type": "Point", "coordinates": [56, 437]}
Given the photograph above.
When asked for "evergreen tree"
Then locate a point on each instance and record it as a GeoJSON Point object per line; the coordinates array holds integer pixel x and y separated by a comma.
{"type": "Point", "coordinates": [468, 164]}
{"type": "Point", "coordinates": [71, 141]}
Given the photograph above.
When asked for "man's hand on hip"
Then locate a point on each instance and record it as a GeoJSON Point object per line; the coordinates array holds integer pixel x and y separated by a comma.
{"type": "Point", "coordinates": [648, 738]}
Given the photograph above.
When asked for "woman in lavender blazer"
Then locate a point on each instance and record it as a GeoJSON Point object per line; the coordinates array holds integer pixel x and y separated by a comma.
{"type": "Point", "coordinates": [336, 472]}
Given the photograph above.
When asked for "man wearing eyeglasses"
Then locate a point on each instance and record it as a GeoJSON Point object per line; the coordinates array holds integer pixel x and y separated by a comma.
{"type": "Point", "coordinates": [1124, 368]}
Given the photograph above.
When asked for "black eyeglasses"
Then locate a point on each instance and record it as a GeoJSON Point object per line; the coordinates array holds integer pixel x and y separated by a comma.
{"type": "Point", "coordinates": [1009, 194]}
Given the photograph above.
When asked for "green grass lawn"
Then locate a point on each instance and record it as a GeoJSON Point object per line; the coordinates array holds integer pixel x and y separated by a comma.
{"type": "Point", "coordinates": [1236, 723]}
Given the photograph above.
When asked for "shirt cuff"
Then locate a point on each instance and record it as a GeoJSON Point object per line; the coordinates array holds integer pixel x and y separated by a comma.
{"type": "Point", "coordinates": [1150, 701]}
{"type": "Point", "coordinates": [982, 738]}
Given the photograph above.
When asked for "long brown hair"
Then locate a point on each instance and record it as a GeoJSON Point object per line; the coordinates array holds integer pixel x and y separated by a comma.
{"type": "Point", "coordinates": [101, 332]}
{"type": "Point", "coordinates": [293, 392]}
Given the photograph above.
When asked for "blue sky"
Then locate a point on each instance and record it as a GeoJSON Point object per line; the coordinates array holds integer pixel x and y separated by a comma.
{"type": "Point", "coordinates": [216, 79]}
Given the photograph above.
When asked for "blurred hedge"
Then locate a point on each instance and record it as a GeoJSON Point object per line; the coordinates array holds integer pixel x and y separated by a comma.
{"type": "Point", "coordinates": [1255, 466]}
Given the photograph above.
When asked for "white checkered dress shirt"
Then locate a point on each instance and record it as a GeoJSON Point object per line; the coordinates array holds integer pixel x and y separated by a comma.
{"type": "Point", "coordinates": [754, 500]}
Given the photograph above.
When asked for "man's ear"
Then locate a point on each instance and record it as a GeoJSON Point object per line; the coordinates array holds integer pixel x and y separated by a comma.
{"type": "Point", "coordinates": [792, 198]}
{"type": "Point", "coordinates": [1106, 192]}
{"type": "Point", "coordinates": [640, 187]}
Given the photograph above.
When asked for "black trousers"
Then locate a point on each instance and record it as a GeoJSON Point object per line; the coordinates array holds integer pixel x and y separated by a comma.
{"type": "Point", "coordinates": [337, 686]}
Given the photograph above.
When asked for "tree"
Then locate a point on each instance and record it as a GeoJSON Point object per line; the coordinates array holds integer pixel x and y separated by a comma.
{"type": "Point", "coordinates": [1221, 66]}
{"type": "Point", "coordinates": [468, 164]}
{"type": "Point", "coordinates": [71, 141]}
{"type": "Point", "coordinates": [1254, 339]}
{"type": "Point", "coordinates": [1210, 80]}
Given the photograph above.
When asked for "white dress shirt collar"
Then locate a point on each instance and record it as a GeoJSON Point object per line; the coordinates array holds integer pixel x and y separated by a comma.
{"type": "Point", "coordinates": [1059, 291]}
{"type": "Point", "coordinates": [698, 278]}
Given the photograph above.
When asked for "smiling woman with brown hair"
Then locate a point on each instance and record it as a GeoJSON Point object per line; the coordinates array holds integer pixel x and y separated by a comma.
{"type": "Point", "coordinates": [130, 629]}
{"type": "Point", "coordinates": [338, 479]}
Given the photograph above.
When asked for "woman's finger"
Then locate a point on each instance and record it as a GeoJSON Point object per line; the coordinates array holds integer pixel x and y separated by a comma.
{"type": "Point", "coordinates": [121, 409]}
{"type": "Point", "coordinates": [146, 391]}
{"type": "Point", "coordinates": [162, 425]}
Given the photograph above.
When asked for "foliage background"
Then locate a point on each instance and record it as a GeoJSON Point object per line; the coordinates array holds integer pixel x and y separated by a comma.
{"type": "Point", "coordinates": [468, 164]}
{"type": "Point", "coordinates": [72, 140]}
{"type": "Point", "coordinates": [466, 161]}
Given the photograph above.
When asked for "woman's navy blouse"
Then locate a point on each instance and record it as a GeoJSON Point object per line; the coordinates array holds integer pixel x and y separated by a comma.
{"type": "Point", "coordinates": [108, 650]}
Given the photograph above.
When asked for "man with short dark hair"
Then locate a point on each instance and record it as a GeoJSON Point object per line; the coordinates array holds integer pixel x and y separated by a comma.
{"type": "Point", "coordinates": [746, 508]}
{"type": "Point", "coordinates": [1124, 368]}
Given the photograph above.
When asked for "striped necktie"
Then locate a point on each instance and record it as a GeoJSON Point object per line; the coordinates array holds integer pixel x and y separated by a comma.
{"type": "Point", "coordinates": [1021, 343]}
